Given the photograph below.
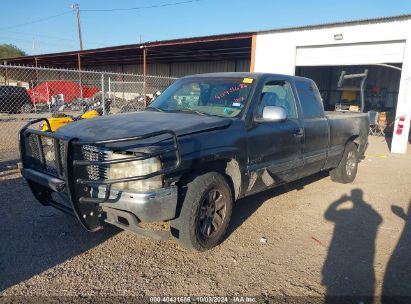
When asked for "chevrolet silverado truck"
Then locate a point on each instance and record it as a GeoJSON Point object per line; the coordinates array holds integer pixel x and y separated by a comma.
{"type": "Point", "coordinates": [205, 142]}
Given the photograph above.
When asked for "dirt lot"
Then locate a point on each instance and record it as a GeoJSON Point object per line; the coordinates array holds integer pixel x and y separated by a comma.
{"type": "Point", "coordinates": [323, 239]}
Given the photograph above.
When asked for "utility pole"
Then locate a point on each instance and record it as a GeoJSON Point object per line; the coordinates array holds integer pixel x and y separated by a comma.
{"type": "Point", "coordinates": [76, 8]}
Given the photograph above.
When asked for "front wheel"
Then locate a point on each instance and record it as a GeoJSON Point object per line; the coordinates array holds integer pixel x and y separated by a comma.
{"type": "Point", "coordinates": [205, 211]}
{"type": "Point", "coordinates": [347, 169]}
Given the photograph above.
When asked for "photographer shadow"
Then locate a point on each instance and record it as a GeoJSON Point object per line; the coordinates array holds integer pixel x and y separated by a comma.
{"type": "Point", "coordinates": [397, 279]}
{"type": "Point", "coordinates": [348, 271]}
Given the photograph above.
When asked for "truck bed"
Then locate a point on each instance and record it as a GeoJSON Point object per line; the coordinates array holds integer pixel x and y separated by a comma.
{"type": "Point", "coordinates": [339, 114]}
{"type": "Point", "coordinates": [343, 125]}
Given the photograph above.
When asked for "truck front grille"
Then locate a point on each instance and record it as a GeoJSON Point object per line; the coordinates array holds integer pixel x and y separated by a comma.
{"type": "Point", "coordinates": [92, 153]}
{"type": "Point", "coordinates": [42, 145]}
{"type": "Point", "coordinates": [49, 155]}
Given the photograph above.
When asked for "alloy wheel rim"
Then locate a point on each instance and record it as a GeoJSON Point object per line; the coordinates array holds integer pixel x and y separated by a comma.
{"type": "Point", "coordinates": [351, 163]}
{"type": "Point", "coordinates": [212, 213]}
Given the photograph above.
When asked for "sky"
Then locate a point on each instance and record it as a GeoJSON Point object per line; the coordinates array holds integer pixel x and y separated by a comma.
{"type": "Point", "coordinates": [177, 19]}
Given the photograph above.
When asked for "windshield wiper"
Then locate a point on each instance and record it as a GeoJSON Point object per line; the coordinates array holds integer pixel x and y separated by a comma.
{"type": "Point", "coordinates": [189, 110]}
{"type": "Point", "coordinates": [154, 109]}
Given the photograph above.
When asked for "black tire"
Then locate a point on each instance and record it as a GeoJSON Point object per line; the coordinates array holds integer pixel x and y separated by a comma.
{"type": "Point", "coordinates": [347, 169]}
{"type": "Point", "coordinates": [200, 226]}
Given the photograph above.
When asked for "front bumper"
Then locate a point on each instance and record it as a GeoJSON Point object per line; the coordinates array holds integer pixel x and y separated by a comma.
{"type": "Point", "coordinates": [52, 163]}
{"type": "Point", "coordinates": [154, 206]}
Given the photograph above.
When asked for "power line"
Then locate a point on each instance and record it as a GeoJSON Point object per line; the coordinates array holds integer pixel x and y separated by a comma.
{"type": "Point", "coordinates": [48, 37]}
{"type": "Point", "coordinates": [38, 41]}
{"type": "Point", "coordinates": [35, 21]}
{"type": "Point", "coordinates": [141, 7]}
{"type": "Point", "coordinates": [39, 35]}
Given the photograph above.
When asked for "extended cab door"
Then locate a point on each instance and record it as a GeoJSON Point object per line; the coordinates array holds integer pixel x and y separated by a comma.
{"type": "Point", "coordinates": [274, 148]}
{"type": "Point", "coordinates": [316, 128]}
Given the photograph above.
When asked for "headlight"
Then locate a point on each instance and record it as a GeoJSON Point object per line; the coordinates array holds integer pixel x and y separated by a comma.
{"type": "Point", "coordinates": [48, 149]}
{"type": "Point", "coordinates": [136, 168]}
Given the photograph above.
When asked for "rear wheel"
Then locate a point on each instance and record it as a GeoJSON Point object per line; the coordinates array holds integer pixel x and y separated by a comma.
{"type": "Point", "coordinates": [205, 212]}
{"type": "Point", "coordinates": [347, 169]}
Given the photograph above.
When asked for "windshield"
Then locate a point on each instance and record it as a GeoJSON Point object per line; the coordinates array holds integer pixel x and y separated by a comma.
{"type": "Point", "coordinates": [224, 97]}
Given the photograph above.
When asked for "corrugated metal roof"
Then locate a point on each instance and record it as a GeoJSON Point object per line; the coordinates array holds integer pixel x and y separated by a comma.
{"type": "Point", "coordinates": [339, 23]}
{"type": "Point", "coordinates": [211, 38]}
{"type": "Point", "coordinates": [191, 40]}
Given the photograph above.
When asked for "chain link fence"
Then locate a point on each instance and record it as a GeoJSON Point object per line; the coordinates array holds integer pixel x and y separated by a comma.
{"type": "Point", "coordinates": [27, 93]}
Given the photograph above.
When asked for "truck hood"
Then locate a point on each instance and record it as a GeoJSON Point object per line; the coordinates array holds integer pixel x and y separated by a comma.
{"type": "Point", "coordinates": [139, 123]}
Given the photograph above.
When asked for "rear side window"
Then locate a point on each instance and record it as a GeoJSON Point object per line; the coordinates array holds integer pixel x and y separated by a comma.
{"type": "Point", "coordinates": [310, 98]}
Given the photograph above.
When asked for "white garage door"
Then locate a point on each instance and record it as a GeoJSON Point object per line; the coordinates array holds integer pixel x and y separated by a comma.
{"type": "Point", "coordinates": [350, 54]}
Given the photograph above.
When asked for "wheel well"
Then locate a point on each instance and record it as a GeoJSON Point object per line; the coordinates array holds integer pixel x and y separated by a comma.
{"type": "Point", "coordinates": [355, 139]}
{"type": "Point", "coordinates": [229, 168]}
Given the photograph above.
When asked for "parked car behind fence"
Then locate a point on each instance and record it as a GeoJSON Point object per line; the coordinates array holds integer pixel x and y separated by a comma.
{"type": "Point", "coordinates": [14, 99]}
{"type": "Point", "coordinates": [27, 92]}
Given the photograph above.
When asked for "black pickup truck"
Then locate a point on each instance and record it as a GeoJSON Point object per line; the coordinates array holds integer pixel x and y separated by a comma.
{"type": "Point", "coordinates": [205, 142]}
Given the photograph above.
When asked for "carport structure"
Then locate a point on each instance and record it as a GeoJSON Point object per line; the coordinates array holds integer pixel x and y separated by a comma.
{"type": "Point", "coordinates": [175, 58]}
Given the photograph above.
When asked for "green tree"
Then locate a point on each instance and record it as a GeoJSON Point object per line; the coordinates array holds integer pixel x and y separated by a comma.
{"type": "Point", "coordinates": [10, 50]}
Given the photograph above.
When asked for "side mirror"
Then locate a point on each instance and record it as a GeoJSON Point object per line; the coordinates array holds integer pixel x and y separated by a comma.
{"type": "Point", "coordinates": [273, 114]}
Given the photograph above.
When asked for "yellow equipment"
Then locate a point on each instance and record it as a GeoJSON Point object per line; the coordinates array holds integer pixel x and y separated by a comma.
{"type": "Point", "coordinates": [57, 122]}
{"type": "Point", "coordinates": [349, 95]}
{"type": "Point", "coordinates": [90, 114]}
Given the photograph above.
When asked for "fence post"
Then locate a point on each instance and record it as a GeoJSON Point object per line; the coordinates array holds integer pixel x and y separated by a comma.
{"type": "Point", "coordinates": [48, 96]}
{"type": "Point", "coordinates": [145, 76]}
{"type": "Point", "coordinates": [6, 76]}
{"type": "Point", "coordinates": [33, 90]}
{"type": "Point", "coordinates": [109, 87]}
{"type": "Point", "coordinates": [103, 100]}
{"type": "Point", "coordinates": [79, 76]}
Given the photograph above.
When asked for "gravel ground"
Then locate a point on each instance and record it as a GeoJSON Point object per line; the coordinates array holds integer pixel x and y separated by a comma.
{"type": "Point", "coordinates": [314, 248]}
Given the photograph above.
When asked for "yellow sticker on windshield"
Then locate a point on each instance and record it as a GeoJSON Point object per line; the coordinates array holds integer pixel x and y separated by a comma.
{"type": "Point", "coordinates": [248, 80]}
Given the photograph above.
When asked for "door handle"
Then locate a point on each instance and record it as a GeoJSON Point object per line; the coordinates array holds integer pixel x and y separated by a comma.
{"type": "Point", "coordinates": [298, 132]}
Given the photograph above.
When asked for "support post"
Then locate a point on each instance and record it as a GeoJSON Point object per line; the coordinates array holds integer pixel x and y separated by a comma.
{"type": "Point", "coordinates": [34, 96]}
{"type": "Point", "coordinates": [145, 76]}
{"type": "Point", "coordinates": [36, 63]}
{"type": "Point", "coordinates": [76, 8]}
{"type": "Point", "coordinates": [253, 48]}
{"type": "Point", "coordinates": [109, 87]}
{"type": "Point", "coordinates": [79, 75]}
{"type": "Point", "coordinates": [49, 100]}
{"type": "Point", "coordinates": [36, 60]}
{"type": "Point", "coordinates": [103, 99]}
{"type": "Point", "coordinates": [6, 76]}
{"type": "Point", "coordinates": [403, 114]}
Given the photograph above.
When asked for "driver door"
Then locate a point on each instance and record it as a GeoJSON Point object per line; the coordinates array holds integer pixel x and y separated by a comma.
{"type": "Point", "coordinates": [275, 147]}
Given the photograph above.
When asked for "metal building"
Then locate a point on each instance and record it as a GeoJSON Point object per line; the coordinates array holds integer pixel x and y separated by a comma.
{"type": "Point", "coordinates": [381, 46]}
